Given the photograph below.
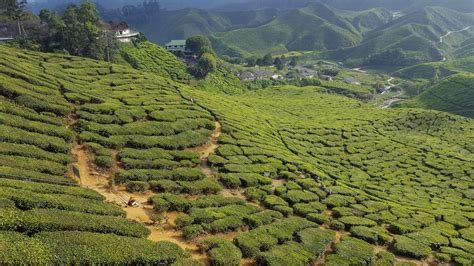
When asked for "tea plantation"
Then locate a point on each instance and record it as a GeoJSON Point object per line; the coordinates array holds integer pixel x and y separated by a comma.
{"type": "Point", "coordinates": [398, 178]}
{"type": "Point", "coordinates": [326, 178]}
{"type": "Point", "coordinates": [47, 103]}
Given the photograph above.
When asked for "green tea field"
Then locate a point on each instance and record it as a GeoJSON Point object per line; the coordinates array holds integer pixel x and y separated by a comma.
{"type": "Point", "coordinates": [278, 176]}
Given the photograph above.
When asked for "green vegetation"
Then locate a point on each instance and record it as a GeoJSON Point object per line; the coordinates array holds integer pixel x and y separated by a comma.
{"type": "Point", "coordinates": [303, 156]}
{"type": "Point", "coordinates": [150, 57]}
{"type": "Point", "coordinates": [453, 94]}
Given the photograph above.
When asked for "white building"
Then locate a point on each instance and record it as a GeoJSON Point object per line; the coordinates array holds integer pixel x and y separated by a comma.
{"type": "Point", "coordinates": [123, 32]}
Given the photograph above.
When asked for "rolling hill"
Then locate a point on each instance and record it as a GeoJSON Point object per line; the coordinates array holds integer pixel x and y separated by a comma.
{"type": "Point", "coordinates": [416, 34]}
{"type": "Point", "coordinates": [314, 27]}
{"type": "Point", "coordinates": [454, 94]}
{"type": "Point", "coordinates": [269, 175]}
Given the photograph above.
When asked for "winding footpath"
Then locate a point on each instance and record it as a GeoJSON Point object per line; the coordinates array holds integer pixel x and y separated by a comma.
{"type": "Point", "coordinates": [389, 102]}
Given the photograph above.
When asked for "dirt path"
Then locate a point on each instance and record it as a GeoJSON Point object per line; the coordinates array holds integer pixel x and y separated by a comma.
{"type": "Point", "coordinates": [209, 148]}
{"type": "Point", "coordinates": [117, 195]}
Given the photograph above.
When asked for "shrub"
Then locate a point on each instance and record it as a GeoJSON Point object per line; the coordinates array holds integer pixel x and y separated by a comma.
{"type": "Point", "coordinates": [91, 248]}
{"type": "Point", "coordinates": [255, 194]}
{"type": "Point", "coordinates": [226, 224]}
{"type": "Point", "coordinates": [290, 253]}
{"type": "Point", "coordinates": [104, 161]}
{"type": "Point", "coordinates": [261, 218]}
{"type": "Point", "coordinates": [315, 240]}
{"type": "Point", "coordinates": [192, 231]}
{"type": "Point", "coordinates": [137, 186]}
{"type": "Point", "coordinates": [407, 246]}
{"type": "Point", "coordinates": [429, 237]}
{"type": "Point", "coordinates": [26, 200]}
{"type": "Point", "coordinates": [336, 225]}
{"type": "Point", "coordinates": [384, 258]}
{"type": "Point", "coordinates": [462, 244]}
{"type": "Point", "coordinates": [339, 200]}
{"type": "Point", "coordinates": [304, 209]}
{"type": "Point", "coordinates": [457, 220]}
{"type": "Point", "coordinates": [37, 220]}
{"type": "Point", "coordinates": [357, 251]}
{"type": "Point", "coordinates": [350, 221]}
{"type": "Point", "coordinates": [375, 235]}
{"type": "Point", "coordinates": [221, 252]}
{"type": "Point", "coordinates": [230, 180]}
{"type": "Point", "coordinates": [166, 186]}
{"type": "Point", "coordinates": [285, 210]}
{"type": "Point", "coordinates": [318, 218]}
{"type": "Point", "coordinates": [272, 200]}
{"type": "Point", "coordinates": [297, 196]}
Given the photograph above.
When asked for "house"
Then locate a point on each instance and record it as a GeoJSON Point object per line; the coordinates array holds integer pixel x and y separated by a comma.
{"type": "Point", "coordinates": [352, 81]}
{"type": "Point", "coordinates": [261, 74]}
{"type": "Point", "coordinates": [246, 76]}
{"type": "Point", "coordinates": [122, 32]}
{"type": "Point", "coordinates": [176, 46]}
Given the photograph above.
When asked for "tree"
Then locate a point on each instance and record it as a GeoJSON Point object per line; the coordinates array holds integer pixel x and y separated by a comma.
{"type": "Point", "coordinates": [267, 60]}
{"type": "Point", "coordinates": [279, 63]}
{"type": "Point", "coordinates": [207, 63]}
{"type": "Point", "coordinates": [81, 32]}
{"type": "Point", "coordinates": [199, 45]}
{"type": "Point", "coordinates": [16, 11]}
{"type": "Point", "coordinates": [251, 61]}
{"type": "Point", "coordinates": [55, 30]}
{"type": "Point", "coordinates": [293, 62]}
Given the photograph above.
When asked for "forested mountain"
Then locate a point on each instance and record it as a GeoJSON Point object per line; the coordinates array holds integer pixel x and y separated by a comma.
{"type": "Point", "coordinates": [415, 37]}
{"type": "Point", "coordinates": [375, 36]}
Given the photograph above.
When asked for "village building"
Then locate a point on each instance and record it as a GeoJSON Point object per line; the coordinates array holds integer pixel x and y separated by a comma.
{"type": "Point", "coordinates": [176, 46]}
{"type": "Point", "coordinates": [123, 33]}
{"type": "Point", "coordinates": [352, 81]}
{"type": "Point", "coordinates": [246, 76]}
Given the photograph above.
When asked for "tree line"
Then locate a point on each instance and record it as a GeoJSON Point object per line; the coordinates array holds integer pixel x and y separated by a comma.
{"type": "Point", "coordinates": [78, 31]}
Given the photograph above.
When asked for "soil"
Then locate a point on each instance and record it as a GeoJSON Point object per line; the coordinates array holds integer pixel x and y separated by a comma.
{"type": "Point", "coordinates": [117, 195]}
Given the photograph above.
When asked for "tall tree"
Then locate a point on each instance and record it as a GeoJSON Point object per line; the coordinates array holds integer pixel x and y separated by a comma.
{"type": "Point", "coordinates": [199, 45]}
{"type": "Point", "coordinates": [16, 10]}
{"type": "Point", "coordinates": [267, 60]}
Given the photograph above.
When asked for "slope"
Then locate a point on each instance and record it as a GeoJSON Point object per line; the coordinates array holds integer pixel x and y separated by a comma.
{"type": "Point", "coordinates": [436, 70]}
{"type": "Point", "coordinates": [150, 57]}
{"type": "Point", "coordinates": [48, 103]}
{"type": "Point", "coordinates": [293, 30]}
{"type": "Point", "coordinates": [369, 173]}
{"type": "Point", "coordinates": [417, 35]}
{"type": "Point", "coordinates": [454, 94]}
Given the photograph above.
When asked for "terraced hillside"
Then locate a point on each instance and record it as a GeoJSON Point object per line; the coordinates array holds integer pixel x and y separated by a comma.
{"type": "Point", "coordinates": [398, 179]}
{"type": "Point", "coordinates": [46, 101]}
{"type": "Point", "coordinates": [284, 175]}
{"type": "Point", "coordinates": [454, 94]}
{"type": "Point", "coordinates": [150, 57]}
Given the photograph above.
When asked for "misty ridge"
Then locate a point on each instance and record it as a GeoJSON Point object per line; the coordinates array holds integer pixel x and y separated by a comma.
{"type": "Point", "coordinates": [232, 5]}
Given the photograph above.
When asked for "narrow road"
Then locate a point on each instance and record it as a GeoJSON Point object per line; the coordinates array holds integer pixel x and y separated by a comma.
{"type": "Point", "coordinates": [450, 32]}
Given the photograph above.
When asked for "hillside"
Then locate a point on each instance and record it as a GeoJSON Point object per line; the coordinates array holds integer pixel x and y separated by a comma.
{"type": "Point", "coordinates": [54, 107]}
{"type": "Point", "coordinates": [150, 57]}
{"type": "Point", "coordinates": [274, 173]}
{"type": "Point", "coordinates": [436, 70]}
{"type": "Point", "coordinates": [315, 27]}
{"type": "Point", "coordinates": [454, 94]}
{"type": "Point", "coordinates": [417, 35]}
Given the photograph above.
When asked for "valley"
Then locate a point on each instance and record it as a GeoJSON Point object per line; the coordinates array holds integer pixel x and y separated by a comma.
{"type": "Point", "coordinates": [267, 133]}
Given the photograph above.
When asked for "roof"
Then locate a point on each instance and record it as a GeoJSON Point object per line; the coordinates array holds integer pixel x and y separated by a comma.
{"type": "Point", "coordinates": [176, 43]}
{"type": "Point", "coordinates": [118, 26]}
